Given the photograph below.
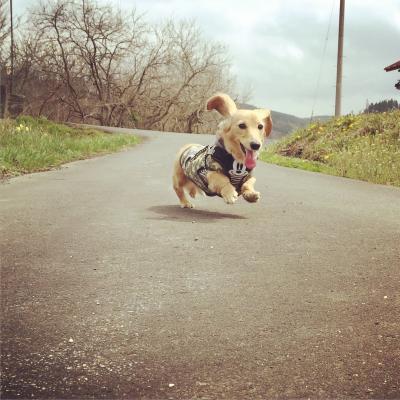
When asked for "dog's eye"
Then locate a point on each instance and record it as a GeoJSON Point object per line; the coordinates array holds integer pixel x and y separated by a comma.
{"type": "Point", "coordinates": [260, 126]}
{"type": "Point", "coordinates": [242, 126]}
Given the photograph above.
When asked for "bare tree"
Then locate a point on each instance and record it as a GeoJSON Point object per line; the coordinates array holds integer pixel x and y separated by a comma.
{"type": "Point", "coordinates": [85, 62]}
{"type": "Point", "coordinates": [4, 33]}
{"type": "Point", "coordinates": [179, 90]}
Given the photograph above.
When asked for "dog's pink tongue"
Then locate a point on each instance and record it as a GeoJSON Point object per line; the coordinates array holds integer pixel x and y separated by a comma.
{"type": "Point", "coordinates": [251, 159]}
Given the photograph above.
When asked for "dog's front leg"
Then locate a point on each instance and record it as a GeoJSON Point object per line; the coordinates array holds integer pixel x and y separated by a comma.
{"type": "Point", "coordinates": [221, 185]}
{"type": "Point", "coordinates": [248, 192]}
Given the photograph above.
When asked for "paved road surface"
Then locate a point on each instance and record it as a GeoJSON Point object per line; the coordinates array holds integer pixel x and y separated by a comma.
{"type": "Point", "coordinates": [110, 290]}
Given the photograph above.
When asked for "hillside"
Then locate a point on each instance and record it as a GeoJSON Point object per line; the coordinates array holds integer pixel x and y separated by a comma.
{"type": "Point", "coordinates": [364, 146]}
{"type": "Point", "coordinates": [285, 124]}
{"type": "Point", "coordinates": [30, 144]}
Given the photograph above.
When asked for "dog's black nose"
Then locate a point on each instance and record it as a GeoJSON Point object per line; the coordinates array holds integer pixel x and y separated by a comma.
{"type": "Point", "coordinates": [255, 145]}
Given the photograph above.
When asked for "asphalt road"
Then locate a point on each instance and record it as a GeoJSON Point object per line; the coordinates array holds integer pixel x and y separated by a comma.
{"type": "Point", "coordinates": [110, 290]}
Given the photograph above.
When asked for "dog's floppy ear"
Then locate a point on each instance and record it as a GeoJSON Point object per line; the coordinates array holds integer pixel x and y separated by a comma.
{"type": "Point", "coordinates": [223, 104]}
{"type": "Point", "coordinates": [265, 115]}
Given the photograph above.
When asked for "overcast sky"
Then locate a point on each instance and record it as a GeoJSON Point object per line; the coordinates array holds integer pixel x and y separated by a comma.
{"type": "Point", "coordinates": [276, 47]}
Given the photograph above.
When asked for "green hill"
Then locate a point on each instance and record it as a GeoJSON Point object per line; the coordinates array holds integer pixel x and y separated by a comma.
{"type": "Point", "coordinates": [30, 144]}
{"type": "Point", "coordinates": [285, 124]}
{"type": "Point", "coordinates": [364, 146]}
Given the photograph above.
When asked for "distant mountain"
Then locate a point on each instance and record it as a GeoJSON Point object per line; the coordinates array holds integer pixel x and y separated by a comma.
{"type": "Point", "coordinates": [284, 124]}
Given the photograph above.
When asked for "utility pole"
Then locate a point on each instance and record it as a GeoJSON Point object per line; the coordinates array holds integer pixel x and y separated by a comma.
{"type": "Point", "coordinates": [12, 47]}
{"type": "Point", "coordinates": [338, 101]}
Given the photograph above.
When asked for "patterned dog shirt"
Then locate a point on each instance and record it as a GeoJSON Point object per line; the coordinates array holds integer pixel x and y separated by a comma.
{"type": "Point", "coordinates": [198, 160]}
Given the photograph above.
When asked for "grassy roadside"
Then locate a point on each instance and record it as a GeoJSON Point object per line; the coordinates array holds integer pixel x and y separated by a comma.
{"type": "Point", "coordinates": [36, 144]}
{"type": "Point", "coordinates": [365, 146]}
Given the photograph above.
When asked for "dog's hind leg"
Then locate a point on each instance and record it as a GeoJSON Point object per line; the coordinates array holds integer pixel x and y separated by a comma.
{"type": "Point", "coordinates": [192, 189]}
{"type": "Point", "coordinates": [179, 181]}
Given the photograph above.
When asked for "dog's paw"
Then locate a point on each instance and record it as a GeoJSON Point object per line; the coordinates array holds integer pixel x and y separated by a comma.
{"type": "Point", "coordinates": [251, 197]}
{"type": "Point", "coordinates": [187, 205]}
{"type": "Point", "coordinates": [229, 195]}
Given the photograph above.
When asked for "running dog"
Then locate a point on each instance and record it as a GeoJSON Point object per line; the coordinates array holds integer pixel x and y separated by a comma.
{"type": "Point", "coordinates": [225, 168]}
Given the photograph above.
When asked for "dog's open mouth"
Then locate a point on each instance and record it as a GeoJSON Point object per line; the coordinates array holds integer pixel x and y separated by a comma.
{"type": "Point", "coordinates": [250, 157]}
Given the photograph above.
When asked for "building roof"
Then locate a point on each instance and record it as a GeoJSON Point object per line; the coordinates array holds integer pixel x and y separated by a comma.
{"type": "Point", "coordinates": [393, 66]}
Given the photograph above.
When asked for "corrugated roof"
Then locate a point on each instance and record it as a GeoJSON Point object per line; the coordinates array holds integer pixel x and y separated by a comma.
{"type": "Point", "coordinates": [392, 67]}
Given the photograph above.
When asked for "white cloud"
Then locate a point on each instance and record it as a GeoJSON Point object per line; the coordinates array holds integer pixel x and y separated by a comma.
{"type": "Point", "coordinates": [276, 46]}
{"type": "Point", "coordinates": [396, 20]}
{"type": "Point", "coordinates": [286, 51]}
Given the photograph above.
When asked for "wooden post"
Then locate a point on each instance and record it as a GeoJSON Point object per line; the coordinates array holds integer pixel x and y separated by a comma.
{"type": "Point", "coordinates": [338, 101]}
{"type": "Point", "coordinates": [12, 47]}
{"type": "Point", "coordinates": [3, 98]}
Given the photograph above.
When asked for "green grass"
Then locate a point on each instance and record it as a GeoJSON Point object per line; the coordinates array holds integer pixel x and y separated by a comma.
{"type": "Point", "coordinates": [35, 144]}
{"type": "Point", "coordinates": [365, 146]}
{"type": "Point", "coordinates": [293, 162]}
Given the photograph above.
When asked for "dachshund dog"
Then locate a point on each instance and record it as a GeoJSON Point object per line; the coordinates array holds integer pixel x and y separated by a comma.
{"type": "Point", "coordinates": [224, 169]}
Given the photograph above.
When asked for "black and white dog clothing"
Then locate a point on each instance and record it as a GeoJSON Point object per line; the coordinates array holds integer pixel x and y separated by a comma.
{"type": "Point", "coordinates": [198, 160]}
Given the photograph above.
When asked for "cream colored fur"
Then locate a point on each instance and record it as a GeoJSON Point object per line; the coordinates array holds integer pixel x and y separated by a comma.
{"type": "Point", "coordinates": [233, 137]}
